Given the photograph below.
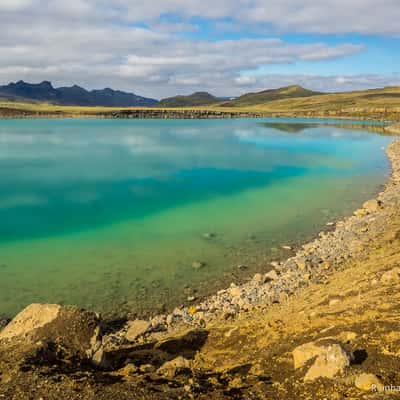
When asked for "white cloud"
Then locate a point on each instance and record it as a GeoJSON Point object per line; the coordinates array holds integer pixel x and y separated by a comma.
{"type": "Point", "coordinates": [132, 45]}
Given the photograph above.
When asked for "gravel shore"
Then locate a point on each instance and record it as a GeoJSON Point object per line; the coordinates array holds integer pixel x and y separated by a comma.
{"type": "Point", "coordinates": [331, 251]}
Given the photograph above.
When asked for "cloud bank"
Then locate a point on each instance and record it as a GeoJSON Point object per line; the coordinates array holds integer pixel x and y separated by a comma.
{"type": "Point", "coordinates": [161, 48]}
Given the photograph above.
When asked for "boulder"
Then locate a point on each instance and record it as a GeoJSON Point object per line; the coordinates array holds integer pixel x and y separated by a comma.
{"type": "Point", "coordinates": [304, 353]}
{"type": "Point", "coordinates": [333, 361]}
{"type": "Point", "coordinates": [368, 382]}
{"type": "Point", "coordinates": [136, 329]}
{"type": "Point", "coordinates": [72, 332]}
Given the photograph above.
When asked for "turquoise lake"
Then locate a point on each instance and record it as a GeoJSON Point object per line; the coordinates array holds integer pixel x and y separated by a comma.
{"type": "Point", "coordinates": [111, 214]}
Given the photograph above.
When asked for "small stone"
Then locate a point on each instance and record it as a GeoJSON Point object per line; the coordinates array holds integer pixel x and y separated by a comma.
{"type": "Point", "coordinates": [274, 264]}
{"type": "Point", "coordinates": [286, 247]}
{"type": "Point", "coordinates": [301, 264]}
{"type": "Point", "coordinates": [147, 368]}
{"type": "Point", "coordinates": [330, 224]}
{"type": "Point", "coordinates": [136, 329]}
{"type": "Point", "coordinates": [231, 332]}
{"type": "Point", "coordinates": [368, 383]}
{"type": "Point", "coordinates": [174, 367]}
{"type": "Point", "coordinates": [258, 279]}
{"type": "Point", "coordinates": [198, 264]}
{"type": "Point", "coordinates": [372, 205]}
{"type": "Point", "coordinates": [271, 275]}
{"type": "Point", "coordinates": [360, 212]}
{"type": "Point", "coordinates": [129, 369]}
{"type": "Point", "coordinates": [347, 336]}
{"type": "Point", "coordinates": [191, 298]}
{"type": "Point", "coordinates": [4, 322]}
{"type": "Point", "coordinates": [242, 266]}
{"type": "Point", "coordinates": [235, 291]}
{"type": "Point", "coordinates": [330, 363]}
{"type": "Point", "coordinates": [333, 302]}
{"type": "Point", "coordinates": [209, 235]}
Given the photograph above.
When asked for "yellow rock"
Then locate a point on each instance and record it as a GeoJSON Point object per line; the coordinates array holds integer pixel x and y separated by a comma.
{"type": "Point", "coordinates": [330, 363]}
{"type": "Point", "coordinates": [305, 352]}
{"type": "Point", "coordinates": [368, 382]}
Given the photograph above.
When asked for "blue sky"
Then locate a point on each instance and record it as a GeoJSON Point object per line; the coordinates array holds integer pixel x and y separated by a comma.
{"type": "Point", "coordinates": [168, 47]}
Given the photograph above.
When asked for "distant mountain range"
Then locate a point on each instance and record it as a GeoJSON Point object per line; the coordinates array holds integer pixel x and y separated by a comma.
{"type": "Point", "coordinates": [78, 96]}
{"type": "Point", "coordinates": [74, 95]}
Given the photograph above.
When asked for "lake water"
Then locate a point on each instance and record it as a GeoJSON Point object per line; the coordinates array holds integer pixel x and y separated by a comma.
{"type": "Point", "coordinates": [112, 214]}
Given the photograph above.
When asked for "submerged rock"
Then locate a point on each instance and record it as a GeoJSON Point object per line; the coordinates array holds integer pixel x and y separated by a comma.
{"type": "Point", "coordinates": [198, 264]}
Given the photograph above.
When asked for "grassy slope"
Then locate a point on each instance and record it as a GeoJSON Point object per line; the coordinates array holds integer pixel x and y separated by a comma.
{"type": "Point", "coordinates": [265, 96]}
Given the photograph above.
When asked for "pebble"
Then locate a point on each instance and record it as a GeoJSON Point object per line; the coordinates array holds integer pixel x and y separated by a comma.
{"type": "Point", "coordinates": [368, 383]}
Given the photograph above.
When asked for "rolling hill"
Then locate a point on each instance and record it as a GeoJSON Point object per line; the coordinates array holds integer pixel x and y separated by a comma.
{"type": "Point", "coordinates": [72, 96]}
{"type": "Point", "coordinates": [195, 99]}
{"type": "Point", "coordinates": [288, 92]}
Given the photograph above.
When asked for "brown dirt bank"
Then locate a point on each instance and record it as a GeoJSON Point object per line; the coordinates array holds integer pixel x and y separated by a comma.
{"type": "Point", "coordinates": [342, 289]}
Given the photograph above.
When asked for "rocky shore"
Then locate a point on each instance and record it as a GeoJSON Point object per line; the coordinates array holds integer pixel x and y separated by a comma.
{"type": "Point", "coordinates": [322, 324]}
{"type": "Point", "coordinates": [345, 241]}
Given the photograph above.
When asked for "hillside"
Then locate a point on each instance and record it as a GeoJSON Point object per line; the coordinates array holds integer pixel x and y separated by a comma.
{"type": "Point", "coordinates": [381, 103]}
{"type": "Point", "coordinates": [73, 96]}
{"type": "Point", "coordinates": [250, 99]}
{"type": "Point", "coordinates": [195, 99]}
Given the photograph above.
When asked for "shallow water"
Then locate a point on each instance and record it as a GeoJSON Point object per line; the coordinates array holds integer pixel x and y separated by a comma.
{"type": "Point", "coordinates": [111, 214]}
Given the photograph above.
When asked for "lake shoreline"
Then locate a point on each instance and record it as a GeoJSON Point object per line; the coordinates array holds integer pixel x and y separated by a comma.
{"type": "Point", "coordinates": [346, 240]}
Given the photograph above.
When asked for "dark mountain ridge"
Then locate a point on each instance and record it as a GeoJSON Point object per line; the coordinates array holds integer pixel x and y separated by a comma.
{"type": "Point", "coordinates": [73, 96]}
